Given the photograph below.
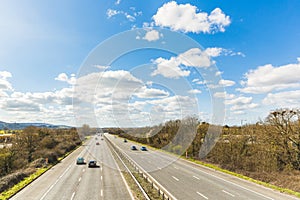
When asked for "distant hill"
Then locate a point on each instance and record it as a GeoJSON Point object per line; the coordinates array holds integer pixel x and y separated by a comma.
{"type": "Point", "coordinates": [18, 126]}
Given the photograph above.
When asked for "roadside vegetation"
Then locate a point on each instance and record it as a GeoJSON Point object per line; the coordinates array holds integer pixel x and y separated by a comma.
{"type": "Point", "coordinates": [267, 151]}
{"type": "Point", "coordinates": [32, 151]}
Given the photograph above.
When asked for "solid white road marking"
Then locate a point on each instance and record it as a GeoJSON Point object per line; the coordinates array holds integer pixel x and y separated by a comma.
{"type": "Point", "coordinates": [101, 178]}
{"type": "Point", "coordinates": [79, 179]}
{"type": "Point", "coordinates": [196, 177]}
{"type": "Point", "coordinates": [72, 197]}
{"type": "Point", "coordinates": [175, 178]}
{"type": "Point", "coordinates": [101, 193]}
{"type": "Point", "coordinates": [50, 188]}
{"type": "Point", "coordinates": [202, 195]}
{"type": "Point", "coordinates": [228, 193]}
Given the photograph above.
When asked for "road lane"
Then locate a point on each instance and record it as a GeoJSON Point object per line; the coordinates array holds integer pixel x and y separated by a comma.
{"type": "Point", "coordinates": [68, 181]}
{"type": "Point", "coordinates": [178, 177]}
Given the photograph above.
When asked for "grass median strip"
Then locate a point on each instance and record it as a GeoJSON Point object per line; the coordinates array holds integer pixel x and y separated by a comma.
{"type": "Point", "coordinates": [147, 186]}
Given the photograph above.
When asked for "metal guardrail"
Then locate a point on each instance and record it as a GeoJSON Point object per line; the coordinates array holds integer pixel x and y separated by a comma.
{"type": "Point", "coordinates": [133, 177]}
{"type": "Point", "coordinates": [162, 192]}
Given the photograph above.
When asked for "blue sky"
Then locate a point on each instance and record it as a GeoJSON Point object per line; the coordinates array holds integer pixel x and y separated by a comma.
{"type": "Point", "coordinates": [51, 49]}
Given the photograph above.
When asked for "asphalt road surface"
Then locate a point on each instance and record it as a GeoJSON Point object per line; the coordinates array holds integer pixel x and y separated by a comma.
{"type": "Point", "coordinates": [186, 180]}
{"type": "Point", "coordinates": [68, 181]}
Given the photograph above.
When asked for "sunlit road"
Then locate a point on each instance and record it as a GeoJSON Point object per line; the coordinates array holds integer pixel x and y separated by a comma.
{"type": "Point", "coordinates": [185, 180]}
{"type": "Point", "coordinates": [69, 181]}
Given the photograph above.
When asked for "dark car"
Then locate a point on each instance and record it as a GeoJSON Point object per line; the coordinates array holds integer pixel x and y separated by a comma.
{"type": "Point", "coordinates": [144, 149]}
{"type": "Point", "coordinates": [92, 163]}
{"type": "Point", "coordinates": [125, 140]}
{"type": "Point", "coordinates": [80, 161]}
{"type": "Point", "coordinates": [97, 143]}
{"type": "Point", "coordinates": [133, 147]}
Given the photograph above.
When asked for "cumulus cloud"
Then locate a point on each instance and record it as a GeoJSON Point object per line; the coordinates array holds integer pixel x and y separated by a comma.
{"type": "Point", "coordinates": [218, 51]}
{"type": "Point", "coordinates": [184, 17]}
{"type": "Point", "coordinates": [194, 91]}
{"type": "Point", "coordinates": [64, 78]}
{"type": "Point", "coordinates": [152, 35]}
{"type": "Point", "coordinates": [5, 85]}
{"type": "Point", "coordinates": [286, 99]}
{"type": "Point", "coordinates": [268, 78]}
{"type": "Point", "coordinates": [170, 68]}
{"type": "Point", "coordinates": [226, 83]}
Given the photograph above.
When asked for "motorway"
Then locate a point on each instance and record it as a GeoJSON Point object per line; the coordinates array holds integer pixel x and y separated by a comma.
{"type": "Point", "coordinates": [186, 180]}
{"type": "Point", "coordinates": [68, 181]}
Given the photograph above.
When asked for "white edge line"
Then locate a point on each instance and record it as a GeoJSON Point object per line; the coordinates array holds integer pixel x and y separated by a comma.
{"type": "Point", "coordinates": [228, 193]}
{"type": "Point", "coordinates": [202, 195]}
{"type": "Point", "coordinates": [72, 197]}
{"type": "Point", "coordinates": [156, 182]}
{"type": "Point", "coordinates": [127, 186]}
{"type": "Point", "coordinates": [50, 188]}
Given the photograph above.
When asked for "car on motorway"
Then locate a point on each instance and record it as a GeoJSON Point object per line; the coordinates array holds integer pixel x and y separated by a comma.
{"type": "Point", "coordinates": [80, 161]}
{"type": "Point", "coordinates": [143, 148]}
{"type": "Point", "coordinates": [133, 148]}
{"type": "Point", "coordinates": [92, 163]}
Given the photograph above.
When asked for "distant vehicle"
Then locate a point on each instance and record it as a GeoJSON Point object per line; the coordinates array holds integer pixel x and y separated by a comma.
{"type": "Point", "coordinates": [97, 143]}
{"type": "Point", "coordinates": [144, 149]}
{"type": "Point", "coordinates": [80, 161]}
{"type": "Point", "coordinates": [133, 147]}
{"type": "Point", "coordinates": [125, 140]}
{"type": "Point", "coordinates": [102, 138]}
{"type": "Point", "coordinates": [96, 138]}
{"type": "Point", "coordinates": [92, 163]}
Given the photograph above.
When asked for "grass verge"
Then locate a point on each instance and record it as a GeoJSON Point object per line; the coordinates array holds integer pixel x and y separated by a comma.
{"type": "Point", "coordinates": [26, 181]}
{"type": "Point", "coordinates": [280, 189]}
{"type": "Point", "coordinates": [16, 188]}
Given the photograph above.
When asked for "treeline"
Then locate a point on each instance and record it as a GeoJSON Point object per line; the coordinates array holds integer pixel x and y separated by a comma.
{"type": "Point", "coordinates": [272, 145]}
{"type": "Point", "coordinates": [34, 148]}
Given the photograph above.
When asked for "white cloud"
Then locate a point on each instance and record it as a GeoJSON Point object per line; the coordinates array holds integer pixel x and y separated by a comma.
{"type": "Point", "coordinates": [218, 51]}
{"type": "Point", "coordinates": [287, 99]}
{"type": "Point", "coordinates": [5, 85]}
{"type": "Point", "coordinates": [170, 68]}
{"type": "Point", "coordinates": [145, 92]}
{"type": "Point", "coordinates": [110, 13]}
{"type": "Point", "coordinates": [194, 91]}
{"type": "Point", "coordinates": [5, 74]}
{"type": "Point", "coordinates": [152, 35]}
{"type": "Point", "coordinates": [268, 78]}
{"type": "Point", "coordinates": [130, 16]}
{"type": "Point", "coordinates": [195, 57]}
{"type": "Point", "coordinates": [184, 17]}
{"type": "Point", "coordinates": [214, 51]}
{"type": "Point", "coordinates": [226, 83]}
{"type": "Point", "coordinates": [64, 78]}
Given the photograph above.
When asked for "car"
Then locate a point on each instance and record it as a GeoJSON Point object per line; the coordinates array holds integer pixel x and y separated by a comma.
{"type": "Point", "coordinates": [133, 147]}
{"type": "Point", "coordinates": [97, 143]}
{"type": "Point", "coordinates": [102, 138]}
{"type": "Point", "coordinates": [80, 161]}
{"type": "Point", "coordinates": [92, 163]}
{"type": "Point", "coordinates": [125, 140]}
{"type": "Point", "coordinates": [144, 149]}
